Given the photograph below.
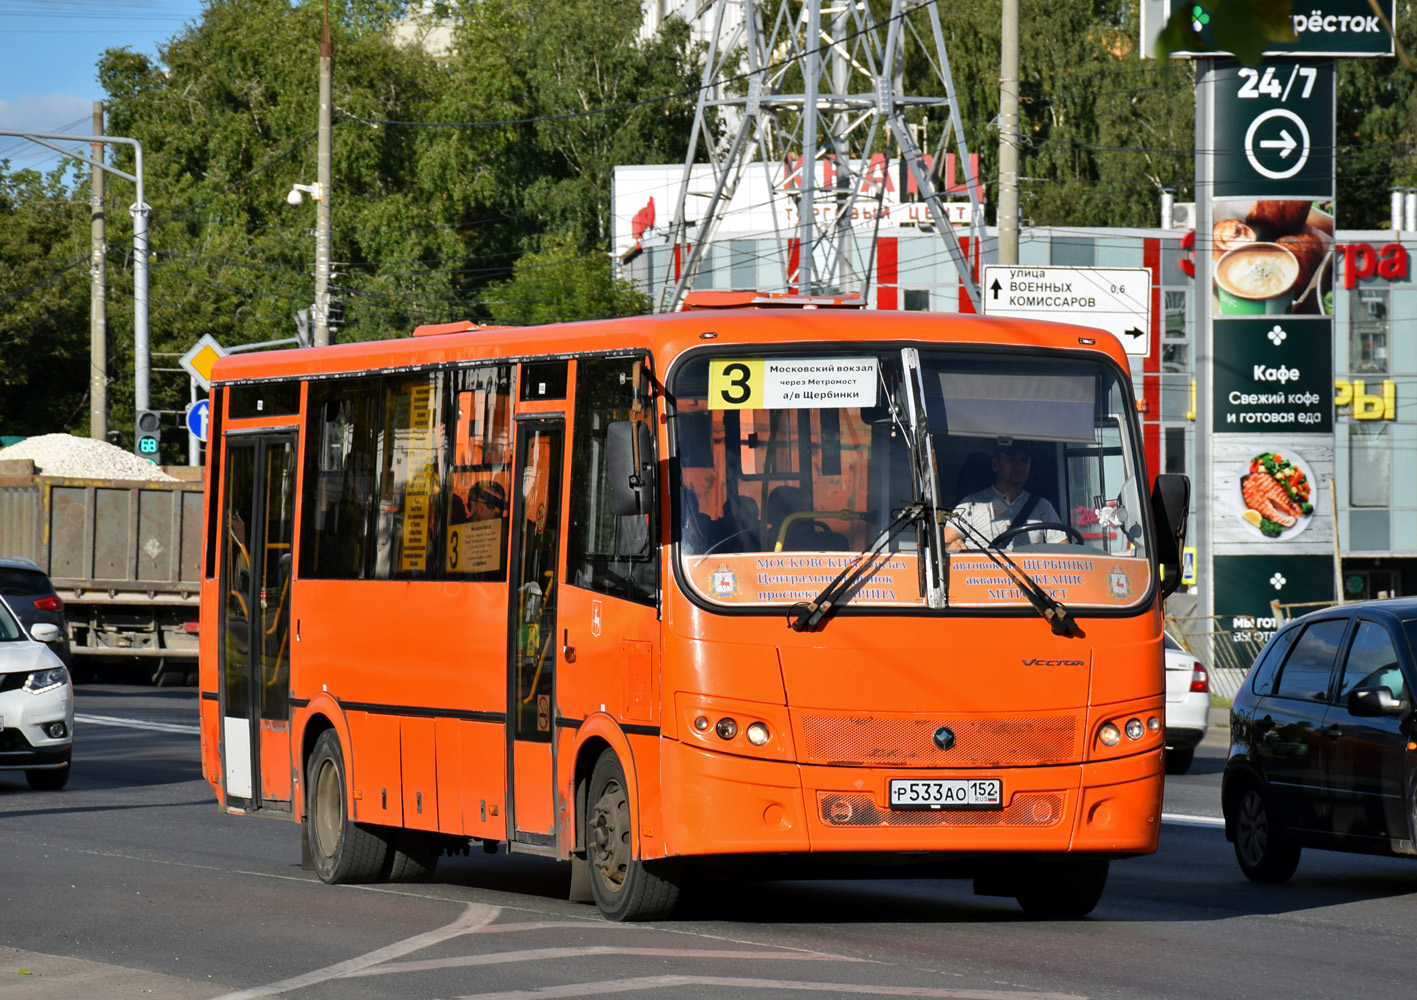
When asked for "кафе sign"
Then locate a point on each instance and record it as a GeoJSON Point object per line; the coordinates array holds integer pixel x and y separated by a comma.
{"type": "Point", "coordinates": [1270, 448]}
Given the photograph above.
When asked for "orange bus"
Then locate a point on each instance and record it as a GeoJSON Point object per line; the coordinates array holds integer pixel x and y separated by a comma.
{"type": "Point", "coordinates": [673, 591]}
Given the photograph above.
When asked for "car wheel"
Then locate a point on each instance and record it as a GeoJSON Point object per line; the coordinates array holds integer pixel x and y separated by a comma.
{"type": "Point", "coordinates": [1263, 847]}
{"type": "Point", "coordinates": [49, 779]}
{"type": "Point", "coordinates": [343, 850]}
{"type": "Point", "coordinates": [1179, 761]}
{"type": "Point", "coordinates": [1066, 889]}
{"type": "Point", "coordinates": [624, 887]}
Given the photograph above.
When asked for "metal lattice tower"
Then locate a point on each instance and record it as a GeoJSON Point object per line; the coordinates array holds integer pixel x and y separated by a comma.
{"type": "Point", "coordinates": [810, 90]}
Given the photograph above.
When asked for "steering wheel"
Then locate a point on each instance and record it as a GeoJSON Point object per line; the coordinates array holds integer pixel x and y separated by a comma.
{"type": "Point", "coordinates": [1074, 536]}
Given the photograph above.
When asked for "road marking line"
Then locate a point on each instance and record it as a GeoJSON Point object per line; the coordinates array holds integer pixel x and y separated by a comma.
{"type": "Point", "coordinates": [474, 917]}
{"type": "Point", "coordinates": [858, 989]}
{"type": "Point", "coordinates": [541, 954]}
{"type": "Point", "coordinates": [156, 727]}
{"type": "Point", "coordinates": [1182, 819]}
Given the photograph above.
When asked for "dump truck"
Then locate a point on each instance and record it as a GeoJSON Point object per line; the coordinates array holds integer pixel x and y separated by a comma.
{"type": "Point", "coordinates": [124, 555]}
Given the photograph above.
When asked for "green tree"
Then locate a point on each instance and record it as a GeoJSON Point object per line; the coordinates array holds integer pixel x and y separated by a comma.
{"type": "Point", "coordinates": [44, 303]}
{"type": "Point", "coordinates": [563, 282]}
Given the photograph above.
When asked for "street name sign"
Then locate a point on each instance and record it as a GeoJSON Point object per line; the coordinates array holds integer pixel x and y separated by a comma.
{"type": "Point", "coordinates": [1115, 299]}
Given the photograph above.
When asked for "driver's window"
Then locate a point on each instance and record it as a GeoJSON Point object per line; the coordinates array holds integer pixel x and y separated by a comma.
{"type": "Point", "coordinates": [1372, 662]}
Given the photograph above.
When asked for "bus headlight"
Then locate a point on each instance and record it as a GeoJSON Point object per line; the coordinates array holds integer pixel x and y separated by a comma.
{"type": "Point", "coordinates": [726, 729]}
{"type": "Point", "coordinates": [1109, 734]}
{"type": "Point", "coordinates": [758, 734]}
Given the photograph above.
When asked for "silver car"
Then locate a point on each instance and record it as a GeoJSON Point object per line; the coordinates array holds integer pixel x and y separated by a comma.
{"type": "Point", "coordinates": [1187, 706]}
{"type": "Point", "coordinates": [36, 703]}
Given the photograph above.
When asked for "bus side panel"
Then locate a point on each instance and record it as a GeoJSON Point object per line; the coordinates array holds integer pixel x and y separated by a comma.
{"type": "Point", "coordinates": [481, 777]}
{"type": "Point", "coordinates": [373, 763]}
{"type": "Point", "coordinates": [419, 772]}
{"type": "Point", "coordinates": [208, 684]}
{"type": "Point", "coordinates": [275, 761]}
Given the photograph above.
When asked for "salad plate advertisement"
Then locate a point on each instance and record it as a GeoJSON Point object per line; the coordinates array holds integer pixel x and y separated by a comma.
{"type": "Point", "coordinates": [1272, 495]}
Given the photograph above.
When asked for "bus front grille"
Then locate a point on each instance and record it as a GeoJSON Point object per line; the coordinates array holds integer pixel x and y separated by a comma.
{"type": "Point", "coordinates": [1024, 809]}
{"type": "Point", "coordinates": [910, 741]}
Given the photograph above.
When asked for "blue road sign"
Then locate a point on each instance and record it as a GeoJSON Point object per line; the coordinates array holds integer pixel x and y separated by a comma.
{"type": "Point", "coordinates": [197, 419]}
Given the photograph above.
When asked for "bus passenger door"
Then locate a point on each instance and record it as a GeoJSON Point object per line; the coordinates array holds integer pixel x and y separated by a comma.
{"type": "Point", "coordinates": [531, 690]}
{"type": "Point", "coordinates": [254, 628]}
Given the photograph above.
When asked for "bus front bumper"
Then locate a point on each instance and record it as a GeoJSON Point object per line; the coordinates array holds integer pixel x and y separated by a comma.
{"type": "Point", "coordinates": [722, 804]}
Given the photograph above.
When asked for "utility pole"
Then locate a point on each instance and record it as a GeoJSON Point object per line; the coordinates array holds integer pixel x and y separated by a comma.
{"type": "Point", "coordinates": [142, 354]}
{"type": "Point", "coordinates": [98, 293]}
{"type": "Point", "coordinates": [1008, 136]}
{"type": "Point", "coordinates": [322, 204]}
{"type": "Point", "coordinates": [783, 129]}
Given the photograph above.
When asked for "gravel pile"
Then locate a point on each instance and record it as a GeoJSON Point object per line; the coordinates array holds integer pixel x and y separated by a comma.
{"type": "Point", "coordinates": [82, 458]}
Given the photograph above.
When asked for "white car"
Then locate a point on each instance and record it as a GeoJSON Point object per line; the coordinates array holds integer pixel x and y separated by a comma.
{"type": "Point", "coordinates": [1187, 706]}
{"type": "Point", "coordinates": [36, 703]}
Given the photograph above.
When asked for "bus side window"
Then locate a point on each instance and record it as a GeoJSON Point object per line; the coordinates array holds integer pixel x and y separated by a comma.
{"type": "Point", "coordinates": [609, 554]}
{"type": "Point", "coordinates": [478, 489]}
{"type": "Point", "coordinates": [340, 459]}
{"type": "Point", "coordinates": [413, 447]}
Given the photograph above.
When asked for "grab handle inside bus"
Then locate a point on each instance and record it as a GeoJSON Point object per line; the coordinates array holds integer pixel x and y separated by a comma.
{"type": "Point", "coordinates": [630, 467]}
{"type": "Point", "coordinates": [1170, 506]}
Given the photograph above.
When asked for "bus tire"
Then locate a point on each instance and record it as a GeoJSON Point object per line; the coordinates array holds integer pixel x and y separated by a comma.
{"type": "Point", "coordinates": [624, 887]}
{"type": "Point", "coordinates": [1066, 889]}
{"type": "Point", "coordinates": [413, 854]}
{"type": "Point", "coordinates": [343, 851]}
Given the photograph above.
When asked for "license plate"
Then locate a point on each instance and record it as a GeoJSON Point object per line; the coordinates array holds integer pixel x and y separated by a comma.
{"type": "Point", "coordinates": [947, 793]}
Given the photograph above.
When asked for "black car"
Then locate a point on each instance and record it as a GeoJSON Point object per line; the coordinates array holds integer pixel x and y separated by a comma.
{"type": "Point", "coordinates": [32, 598]}
{"type": "Point", "coordinates": [1322, 740]}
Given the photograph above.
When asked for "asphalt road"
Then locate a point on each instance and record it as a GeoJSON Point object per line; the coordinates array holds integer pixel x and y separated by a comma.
{"type": "Point", "coordinates": [129, 883]}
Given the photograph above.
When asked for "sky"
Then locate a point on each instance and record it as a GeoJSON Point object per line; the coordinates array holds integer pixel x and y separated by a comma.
{"type": "Point", "coordinates": [49, 52]}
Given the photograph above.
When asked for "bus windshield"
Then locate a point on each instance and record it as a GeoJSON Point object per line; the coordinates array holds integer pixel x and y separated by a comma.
{"type": "Point", "coordinates": [791, 465]}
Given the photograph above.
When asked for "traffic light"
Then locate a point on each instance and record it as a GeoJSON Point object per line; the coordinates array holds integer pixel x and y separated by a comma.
{"type": "Point", "coordinates": [148, 442]}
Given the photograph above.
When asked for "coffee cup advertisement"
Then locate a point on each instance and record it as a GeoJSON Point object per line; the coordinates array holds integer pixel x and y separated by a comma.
{"type": "Point", "coordinates": [1271, 257]}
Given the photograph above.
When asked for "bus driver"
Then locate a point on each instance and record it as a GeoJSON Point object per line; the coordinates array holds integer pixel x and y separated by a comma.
{"type": "Point", "coordinates": [994, 509]}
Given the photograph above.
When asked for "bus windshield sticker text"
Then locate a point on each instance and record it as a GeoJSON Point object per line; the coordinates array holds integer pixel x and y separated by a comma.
{"type": "Point", "coordinates": [791, 383]}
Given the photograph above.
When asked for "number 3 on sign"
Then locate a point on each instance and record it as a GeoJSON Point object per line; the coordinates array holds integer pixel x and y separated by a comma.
{"type": "Point", "coordinates": [736, 384]}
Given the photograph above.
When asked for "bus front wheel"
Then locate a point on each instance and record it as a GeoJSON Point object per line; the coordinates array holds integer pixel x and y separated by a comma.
{"type": "Point", "coordinates": [624, 887]}
{"type": "Point", "coordinates": [343, 850]}
{"type": "Point", "coordinates": [1064, 889]}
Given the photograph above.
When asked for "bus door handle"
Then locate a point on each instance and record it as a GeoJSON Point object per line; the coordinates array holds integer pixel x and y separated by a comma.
{"type": "Point", "coordinates": [568, 652]}
{"type": "Point", "coordinates": [1334, 731]}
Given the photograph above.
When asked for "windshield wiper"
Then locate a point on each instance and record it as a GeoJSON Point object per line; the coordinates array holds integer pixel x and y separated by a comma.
{"type": "Point", "coordinates": [1054, 612]}
{"type": "Point", "coordinates": [808, 616]}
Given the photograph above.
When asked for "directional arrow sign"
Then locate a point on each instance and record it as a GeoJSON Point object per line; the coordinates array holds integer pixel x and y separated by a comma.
{"type": "Point", "coordinates": [1117, 300]}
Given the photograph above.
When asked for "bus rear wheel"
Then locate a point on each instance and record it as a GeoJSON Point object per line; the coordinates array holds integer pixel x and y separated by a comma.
{"type": "Point", "coordinates": [624, 887]}
{"type": "Point", "coordinates": [343, 851]}
{"type": "Point", "coordinates": [413, 854]}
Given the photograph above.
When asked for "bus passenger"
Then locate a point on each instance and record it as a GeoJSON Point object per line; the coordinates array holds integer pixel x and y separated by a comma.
{"type": "Point", "coordinates": [994, 509]}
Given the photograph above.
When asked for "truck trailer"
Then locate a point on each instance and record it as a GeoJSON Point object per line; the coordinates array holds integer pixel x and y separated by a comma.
{"type": "Point", "coordinates": [125, 557]}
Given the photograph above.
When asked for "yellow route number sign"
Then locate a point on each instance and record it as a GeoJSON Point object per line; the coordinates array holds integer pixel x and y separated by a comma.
{"type": "Point", "coordinates": [791, 383]}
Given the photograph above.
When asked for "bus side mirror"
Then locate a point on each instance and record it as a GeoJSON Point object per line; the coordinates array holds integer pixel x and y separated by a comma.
{"type": "Point", "coordinates": [629, 465]}
{"type": "Point", "coordinates": [1170, 506]}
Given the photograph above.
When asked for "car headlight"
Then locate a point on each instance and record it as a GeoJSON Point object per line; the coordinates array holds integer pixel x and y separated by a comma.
{"type": "Point", "coordinates": [46, 680]}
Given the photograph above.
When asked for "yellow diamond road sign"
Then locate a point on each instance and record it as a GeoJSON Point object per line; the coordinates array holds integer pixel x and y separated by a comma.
{"type": "Point", "coordinates": [199, 359]}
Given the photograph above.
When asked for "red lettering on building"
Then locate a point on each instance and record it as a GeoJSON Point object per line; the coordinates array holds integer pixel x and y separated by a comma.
{"type": "Point", "coordinates": [1360, 260]}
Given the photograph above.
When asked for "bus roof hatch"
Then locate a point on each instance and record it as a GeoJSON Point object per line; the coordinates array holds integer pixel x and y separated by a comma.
{"type": "Point", "coordinates": [770, 300]}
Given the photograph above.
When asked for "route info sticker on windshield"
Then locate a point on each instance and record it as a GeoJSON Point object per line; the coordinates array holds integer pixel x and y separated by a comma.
{"type": "Point", "coordinates": [791, 383]}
